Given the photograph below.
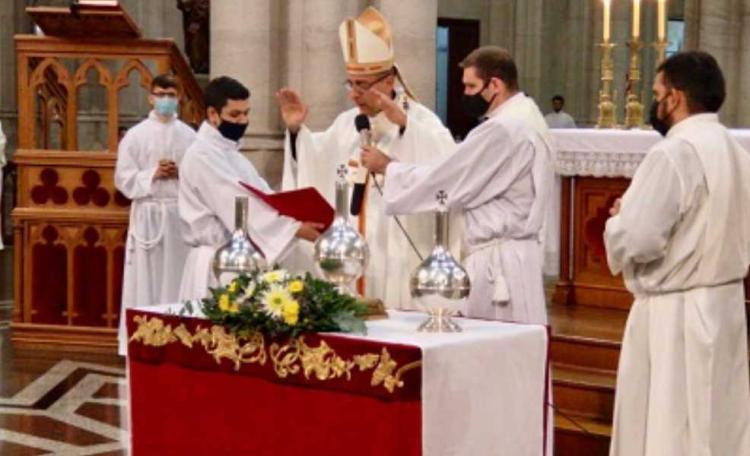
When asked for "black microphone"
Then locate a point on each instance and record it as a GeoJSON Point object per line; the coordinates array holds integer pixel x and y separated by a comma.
{"type": "Point", "coordinates": [362, 123]}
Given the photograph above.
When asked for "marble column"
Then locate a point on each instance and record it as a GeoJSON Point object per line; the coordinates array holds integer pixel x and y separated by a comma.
{"type": "Point", "coordinates": [414, 25]}
{"type": "Point", "coordinates": [312, 47]}
{"type": "Point", "coordinates": [720, 28]}
{"type": "Point", "coordinates": [246, 39]}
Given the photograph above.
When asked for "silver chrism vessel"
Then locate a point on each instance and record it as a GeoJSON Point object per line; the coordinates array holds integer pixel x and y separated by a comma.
{"type": "Point", "coordinates": [341, 254]}
{"type": "Point", "coordinates": [239, 255]}
{"type": "Point", "coordinates": [440, 284]}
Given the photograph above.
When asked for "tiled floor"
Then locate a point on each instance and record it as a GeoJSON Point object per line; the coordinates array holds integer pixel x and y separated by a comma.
{"type": "Point", "coordinates": [63, 404]}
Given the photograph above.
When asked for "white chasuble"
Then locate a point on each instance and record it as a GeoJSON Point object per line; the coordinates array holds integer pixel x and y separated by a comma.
{"type": "Point", "coordinates": [425, 139]}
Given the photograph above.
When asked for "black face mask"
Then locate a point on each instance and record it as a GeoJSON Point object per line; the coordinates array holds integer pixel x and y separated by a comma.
{"type": "Point", "coordinates": [475, 105]}
{"type": "Point", "coordinates": [660, 125]}
{"type": "Point", "coordinates": [231, 130]}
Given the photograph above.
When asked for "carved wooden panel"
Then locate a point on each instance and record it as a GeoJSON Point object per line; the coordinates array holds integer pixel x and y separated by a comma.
{"type": "Point", "coordinates": [73, 273]}
{"type": "Point", "coordinates": [592, 279]}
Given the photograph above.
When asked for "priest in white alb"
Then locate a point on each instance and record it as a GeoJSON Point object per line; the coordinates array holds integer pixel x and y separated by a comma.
{"type": "Point", "coordinates": [501, 178]}
{"type": "Point", "coordinates": [681, 238]}
{"type": "Point", "coordinates": [211, 173]}
{"type": "Point", "coordinates": [147, 172]}
{"type": "Point", "coordinates": [407, 131]}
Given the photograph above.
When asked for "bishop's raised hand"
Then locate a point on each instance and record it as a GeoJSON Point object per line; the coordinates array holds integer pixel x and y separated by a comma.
{"type": "Point", "coordinates": [293, 110]}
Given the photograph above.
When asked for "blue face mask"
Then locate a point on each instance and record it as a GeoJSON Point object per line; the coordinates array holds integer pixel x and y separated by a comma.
{"type": "Point", "coordinates": [166, 106]}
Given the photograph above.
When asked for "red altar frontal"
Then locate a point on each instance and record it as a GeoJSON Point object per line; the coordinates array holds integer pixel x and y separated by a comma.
{"type": "Point", "coordinates": [196, 389]}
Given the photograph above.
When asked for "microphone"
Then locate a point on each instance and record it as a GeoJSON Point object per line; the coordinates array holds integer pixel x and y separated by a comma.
{"type": "Point", "coordinates": [362, 123]}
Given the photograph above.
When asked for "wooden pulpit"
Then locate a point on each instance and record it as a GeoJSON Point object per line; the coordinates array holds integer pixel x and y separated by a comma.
{"type": "Point", "coordinates": [70, 224]}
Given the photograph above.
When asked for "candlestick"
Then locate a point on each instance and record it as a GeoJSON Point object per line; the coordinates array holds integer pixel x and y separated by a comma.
{"type": "Point", "coordinates": [633, 105]}
{"type": "Point", "coordinates": [607, 107]}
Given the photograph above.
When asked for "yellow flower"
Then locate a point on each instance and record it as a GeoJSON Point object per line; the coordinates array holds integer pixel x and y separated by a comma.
{"type": "Point", "coordinates": [291, 312]}
{"type": "Point", "coordinates": [296, 286]}
{"type": "Point", "coordinates": [275, 300]}
{"type": "Point", "coordinates": [226, 305]}
{"type": "Point", "coordinates": [233, 286]}
{"type": "Point", "coordinates": [274, 276]}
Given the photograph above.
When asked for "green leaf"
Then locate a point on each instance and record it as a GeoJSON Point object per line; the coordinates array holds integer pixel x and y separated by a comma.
{"type": "Point", "coordinates": [349, 323]}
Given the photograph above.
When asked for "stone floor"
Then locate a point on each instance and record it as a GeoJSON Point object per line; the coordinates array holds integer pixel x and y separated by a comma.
{"type": "Point", "coordinates": [57, 403]}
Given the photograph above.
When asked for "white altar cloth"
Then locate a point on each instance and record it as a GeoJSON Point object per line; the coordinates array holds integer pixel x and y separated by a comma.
{"type": "Point", "coordinates": [483, 390]}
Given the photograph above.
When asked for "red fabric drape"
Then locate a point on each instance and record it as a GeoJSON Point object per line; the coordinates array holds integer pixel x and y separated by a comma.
{"type": "Point", "coordinates": [182, 402]}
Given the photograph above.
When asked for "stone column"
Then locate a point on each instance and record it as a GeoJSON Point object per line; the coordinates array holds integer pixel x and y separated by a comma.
{"type": "Point", "coordinates": [718, 27]}
{"type": "Point", "coordinates": [312, 47]}
{"type": "Point", "coordinates": [414, 24]}
{"type": "Point", "coordinates": [245, 44]}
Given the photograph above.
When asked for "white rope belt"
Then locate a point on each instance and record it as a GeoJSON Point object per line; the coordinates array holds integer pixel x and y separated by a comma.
{"type": "Point", "coordinates": [140, 241]}
{"type": "Point", "coordinates": [495, 275]}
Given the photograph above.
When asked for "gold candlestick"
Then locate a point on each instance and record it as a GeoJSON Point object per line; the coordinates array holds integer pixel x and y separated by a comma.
{"type": "Point", "coordinates": [607, 107]}
{"type": "Point", "coordinates": [633, 105]}
{"type": "Point", "coordinates": [661, 49]}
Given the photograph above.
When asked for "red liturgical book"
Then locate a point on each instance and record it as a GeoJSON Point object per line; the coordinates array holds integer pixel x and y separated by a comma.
{"type": "Point", "coordinates": [305, 204]}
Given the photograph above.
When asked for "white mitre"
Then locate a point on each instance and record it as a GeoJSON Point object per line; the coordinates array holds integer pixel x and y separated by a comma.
{"type": "Point", "coordinates": [367, 43]}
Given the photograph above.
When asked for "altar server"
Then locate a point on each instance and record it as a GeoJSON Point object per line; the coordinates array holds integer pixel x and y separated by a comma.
{"type": "Point", "coordinates": [681, 237]}
{"type": "Point", "coordinates": [500, 176]}
{"type": "Point", "coordinates": [210, 176]}
{"type": "Point", "coordinates": [405, 129]}
{"type": "Point", "coordinates": [148, 160]}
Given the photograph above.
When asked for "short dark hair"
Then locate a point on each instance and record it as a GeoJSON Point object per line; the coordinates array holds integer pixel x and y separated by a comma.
{"type": "Point", "coordinates": [559, 98]}
{"type": "Point", "coordinates": [696, 73]}
{"type": "Point", "coordinates": [224, 88]}
{"type": "Point", "coordinates": [165, 81]}
{"type": "Point", "coordinates": [493, 62]}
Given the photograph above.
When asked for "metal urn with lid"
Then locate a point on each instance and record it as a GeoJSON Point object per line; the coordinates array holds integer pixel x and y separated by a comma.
{"type": "Point", "coordinates": [440, 284]}
{"type": "Point", "coordinates": [239, 255]}
{"type": "Point", "coordinates": [341, 254]}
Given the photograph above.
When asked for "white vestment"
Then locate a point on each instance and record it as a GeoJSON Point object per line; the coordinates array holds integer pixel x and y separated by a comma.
{"type": "Point", "coordinates": [318, 155]}
{"type": "Point", "coordinates": [523, 109]}
{"type": "Point", "coordinates": [3, 142]}
{"type": "Point", "coordinates": [497, 176]}
{"type": "Point", "coordinates": [154, 251]}
{"type": "Point", "coordinates": [209, 182]}
{"type": "Point", "coordinates": [682, 242]}
{"type": "Point", "coordinates": [560, 120]}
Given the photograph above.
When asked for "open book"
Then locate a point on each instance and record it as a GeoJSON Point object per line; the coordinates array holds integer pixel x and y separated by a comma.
{"type": "Point", "coordinates": [304, 205]}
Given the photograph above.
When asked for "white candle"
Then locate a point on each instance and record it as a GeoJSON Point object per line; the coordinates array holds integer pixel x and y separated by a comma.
{"type": "Point", "coordinates": [662, 18]}
{"type": "Point", "coordinates": [636, 19]}
{"type": "Point", "coordinates": [606, 20]}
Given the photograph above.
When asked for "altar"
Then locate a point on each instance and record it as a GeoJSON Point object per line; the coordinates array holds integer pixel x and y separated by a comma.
{"type": "Point", "coordinates": [195, 389]}
{"type": "Point", "coordinates": [595, 168]}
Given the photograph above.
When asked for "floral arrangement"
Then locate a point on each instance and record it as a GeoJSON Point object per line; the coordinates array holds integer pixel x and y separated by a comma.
{"type": "Point", "coordinates": [276, 303]}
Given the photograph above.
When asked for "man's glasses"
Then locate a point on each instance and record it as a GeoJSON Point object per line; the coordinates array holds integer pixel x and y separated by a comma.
{"type": "Point", "coordinates": [363, 86]}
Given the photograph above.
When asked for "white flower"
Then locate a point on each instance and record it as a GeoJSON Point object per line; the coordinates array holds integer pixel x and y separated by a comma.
{"type": "Point", "coordinates": [276, 276]}
{"type": "Point", "coordinates": [275, 299]}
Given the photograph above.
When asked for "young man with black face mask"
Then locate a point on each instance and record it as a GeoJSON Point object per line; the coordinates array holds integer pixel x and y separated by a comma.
{"type": "Point", "coordinates": [681, 237]}
{"type": "Point", "coordinates": [210, 174]}
{"type": "Point", "coordinates": [501, 177]}
{"type": "Point", "coordinates": [147, 172]}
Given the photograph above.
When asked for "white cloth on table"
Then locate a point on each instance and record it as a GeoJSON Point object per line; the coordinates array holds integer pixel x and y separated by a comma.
{"type": "Point", "coordinates": [155, 251]}
{"type": "Point", "coordinates": [682, 241]}
{"type": "Point", "coordinates": [319, 154]}
{"type": "Point", "coordinates": [482, 389]}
